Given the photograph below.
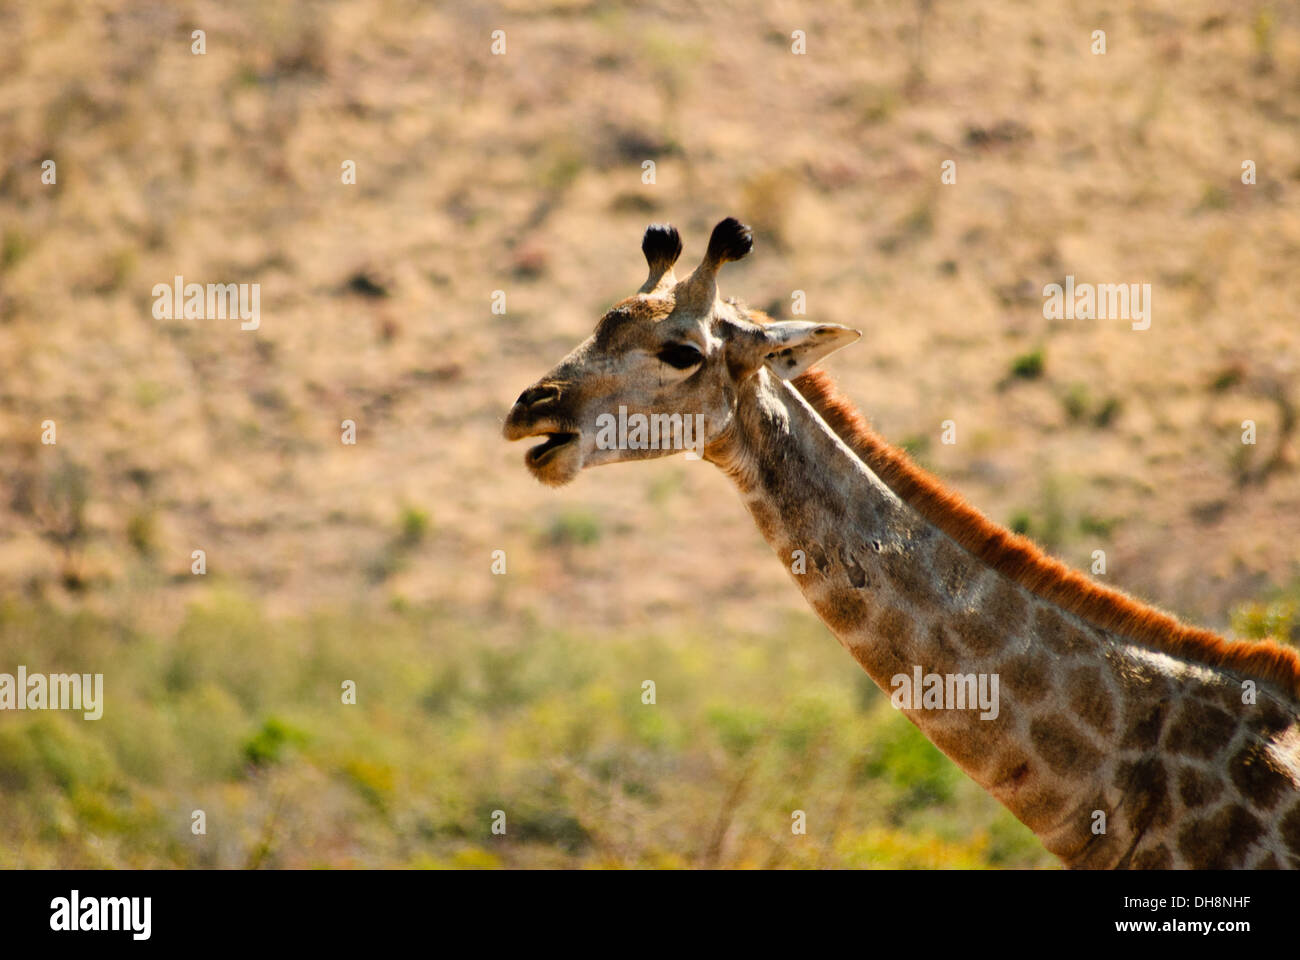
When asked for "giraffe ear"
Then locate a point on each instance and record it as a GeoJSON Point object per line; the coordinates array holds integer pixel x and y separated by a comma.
{"type": "Point", "coordinates": [789, 347]}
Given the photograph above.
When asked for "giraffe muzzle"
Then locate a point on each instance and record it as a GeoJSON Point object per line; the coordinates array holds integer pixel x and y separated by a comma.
{"type": "Point", "coordinates": [557, 458]}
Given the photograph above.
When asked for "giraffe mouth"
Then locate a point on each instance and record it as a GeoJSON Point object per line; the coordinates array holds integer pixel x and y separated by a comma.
{"type": "Point", "coordinates": [539, 454]}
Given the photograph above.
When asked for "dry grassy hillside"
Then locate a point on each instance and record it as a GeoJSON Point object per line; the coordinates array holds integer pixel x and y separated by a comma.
{"type": "Point", "coordinates": [523, 173]}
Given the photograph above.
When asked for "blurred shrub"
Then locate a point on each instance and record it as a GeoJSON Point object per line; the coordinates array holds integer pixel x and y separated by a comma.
{"type": "Point", "coordinates": [269, 743]}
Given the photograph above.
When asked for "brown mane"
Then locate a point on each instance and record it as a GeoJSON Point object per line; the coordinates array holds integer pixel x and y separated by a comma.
{"type": "Point", "coordinates": [1022, 561]}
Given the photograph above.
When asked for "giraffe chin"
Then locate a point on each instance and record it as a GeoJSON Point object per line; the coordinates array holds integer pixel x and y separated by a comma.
{"type": "Point", "coordinates": [557, 461]}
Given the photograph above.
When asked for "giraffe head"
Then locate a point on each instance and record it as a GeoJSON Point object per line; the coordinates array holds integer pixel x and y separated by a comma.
{"type": "Point", "coordinates": [672, 359]}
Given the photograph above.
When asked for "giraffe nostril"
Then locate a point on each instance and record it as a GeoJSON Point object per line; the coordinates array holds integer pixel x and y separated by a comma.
{"type": "Point", "coordinates": [535, 395]}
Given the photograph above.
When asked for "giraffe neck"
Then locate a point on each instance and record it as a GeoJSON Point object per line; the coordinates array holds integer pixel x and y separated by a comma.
{"type": "Point", "coordinates": [1111, 753]}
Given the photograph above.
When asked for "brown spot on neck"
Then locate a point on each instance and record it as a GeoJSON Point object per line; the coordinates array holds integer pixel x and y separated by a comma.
{"type": "Point", "coordinates": [1220, 841]}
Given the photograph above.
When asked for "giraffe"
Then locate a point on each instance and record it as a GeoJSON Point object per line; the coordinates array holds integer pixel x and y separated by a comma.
{"type": "Point", "coordinates": [1121, 737]}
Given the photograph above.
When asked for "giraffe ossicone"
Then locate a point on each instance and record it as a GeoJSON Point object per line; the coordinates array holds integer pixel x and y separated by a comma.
{"type": "Point", "coordinates": [1122, 737]}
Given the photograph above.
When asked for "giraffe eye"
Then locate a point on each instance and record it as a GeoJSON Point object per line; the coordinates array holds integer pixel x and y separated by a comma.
{"type": "Point", "coordinates": [680, 355]}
